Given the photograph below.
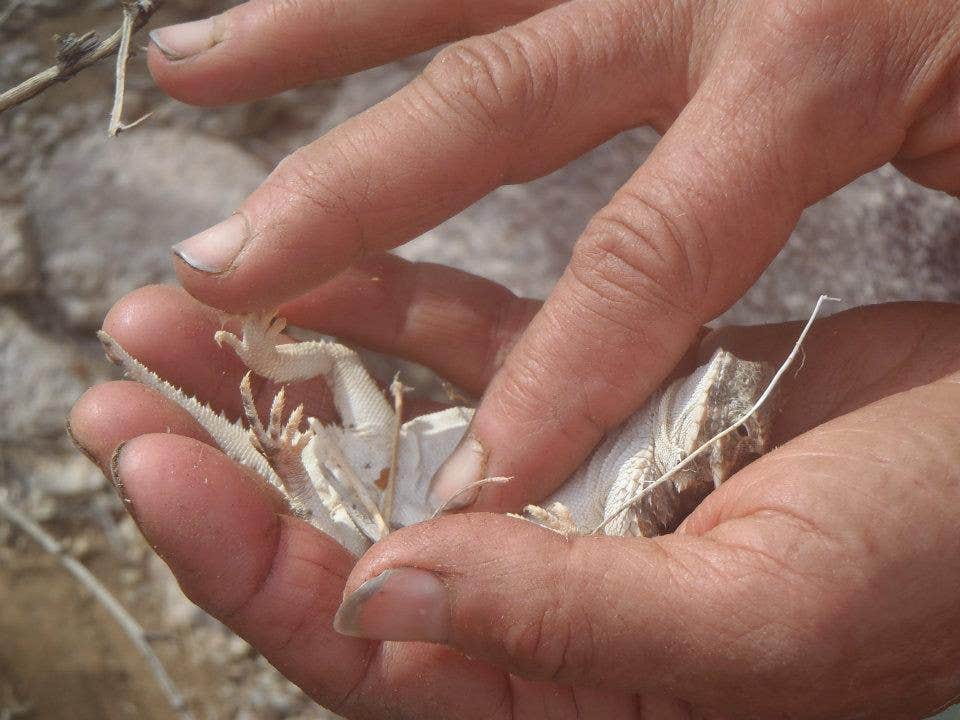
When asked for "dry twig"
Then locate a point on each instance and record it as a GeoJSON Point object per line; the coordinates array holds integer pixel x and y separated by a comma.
{"type": "Point", "coordinates": [131, 11]}
{"type": "Point", "coordinates": [77, 52]}
{"type": "Point", "coordinates": [110, 603]}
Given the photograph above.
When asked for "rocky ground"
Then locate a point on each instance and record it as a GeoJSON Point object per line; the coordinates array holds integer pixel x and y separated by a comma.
{"type": "Point", "coordinates": [84, 219]}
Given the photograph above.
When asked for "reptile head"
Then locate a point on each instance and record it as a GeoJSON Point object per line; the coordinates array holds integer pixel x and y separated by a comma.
{"type": "Point", "coordinates": [736, 396]}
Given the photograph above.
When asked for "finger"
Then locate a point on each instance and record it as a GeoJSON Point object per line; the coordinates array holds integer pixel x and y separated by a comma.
{"type": "Point", "coordinates": [464, 127]}
{"type": "Point", "coordinates": [277, 582]}
{"type": "Point", "coordinates": [747, 603]}
{"type": "Point", "coordinates": [172, 334]}
{"type": "Point", "coordinates": [264, 46]}
{"type": "Point", "coordinates": [112, 413]}
{"type": "Point", "coordinates": [880, 489]}
{"type": "Point", "coordinates": [930, 153]}
{"type": "Point", "coordinates": [938, 170]}
{"type": "Point", "coordinates": [677, 245]}
{"type": "Point", "coordinates": [619, 613]}
{"type": "Point", "coordinates": [458, 324]}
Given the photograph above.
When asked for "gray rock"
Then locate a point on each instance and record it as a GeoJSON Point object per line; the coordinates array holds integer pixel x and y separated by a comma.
{"type": "Point", "coordinates": [54, 469]}
{"type": "Point", "coordinates": [357, 92]}
{"type": "Point", "coordinates": [880, 239]}
{"type": "Point", "coordinates": [107, 210]}
{"type": "Point", "coordinates": [18, 272]}
{"type": "Point", "coordinates": [521, 235]}
{"type": "Point", "coordinates": [40, 379]}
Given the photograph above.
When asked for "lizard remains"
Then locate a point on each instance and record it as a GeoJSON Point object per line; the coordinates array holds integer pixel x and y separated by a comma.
{"type": "Point", "coordinates": [328, 472]}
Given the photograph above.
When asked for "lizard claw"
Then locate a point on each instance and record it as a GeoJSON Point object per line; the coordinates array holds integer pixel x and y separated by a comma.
{"type": "Point", "coordinates": [259, 330]}
{"type": "Point", "coordinates": [278, 436]}
{"type": "Point", "coordinates": [264, 327]}
{"type": "Point", "coordinates": [224, 336]}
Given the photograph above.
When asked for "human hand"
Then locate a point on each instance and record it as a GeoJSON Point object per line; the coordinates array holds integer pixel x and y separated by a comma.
{"type": "Point", "coordinates": [819, 582]}
{"type": "Point", "coordinates": [766, 107]}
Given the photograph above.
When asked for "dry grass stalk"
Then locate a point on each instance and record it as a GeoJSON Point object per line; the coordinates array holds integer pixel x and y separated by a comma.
{"type": "Point", "coordinates": [88, 580]}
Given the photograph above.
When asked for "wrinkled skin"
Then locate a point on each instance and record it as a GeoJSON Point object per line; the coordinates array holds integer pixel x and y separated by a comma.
{"type": "Point", "coordinates": [766, 106]}
{"type": "Point", "coordinates": [821, 581]}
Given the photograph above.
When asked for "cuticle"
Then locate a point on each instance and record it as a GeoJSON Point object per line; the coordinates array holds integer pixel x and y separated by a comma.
{"type": "Point", "coordinates": [165, 49]}
{"type": "Point", "coordinates": [117, 481]}
{"type": "Point", "coordinates": [77, 444]}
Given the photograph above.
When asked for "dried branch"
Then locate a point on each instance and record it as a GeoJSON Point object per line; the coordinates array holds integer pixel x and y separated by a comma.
{"type": "Point", "coordinates": [110, 603]}
{"type": "Point", "coordinates": [75, 53]}
{"type": "Point", "coordinates": [131, 11]}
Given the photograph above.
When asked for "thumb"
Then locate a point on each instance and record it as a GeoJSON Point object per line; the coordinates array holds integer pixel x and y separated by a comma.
{"type": "Point", "coordinates": [622, 613]}
{"type": "Point", "coordinates": [675, 247]}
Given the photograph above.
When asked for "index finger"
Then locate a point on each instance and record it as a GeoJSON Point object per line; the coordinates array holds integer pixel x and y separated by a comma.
{"type": "Point", "coordinates": [677, 245]}
{"type": "Point", "coordinates": [496, 109]}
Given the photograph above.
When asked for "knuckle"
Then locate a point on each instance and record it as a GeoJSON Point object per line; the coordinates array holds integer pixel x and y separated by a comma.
{"type": "Point", "coordinates": [489, 82]}
{"type": "Point", "coordinates": [327, 183]}
{"type": "Point", "coordinates": [574, 415]}
{"type": "Point", "coordinates": [835, 40]}
{"type": "Point", "coordinates": [556, 645]}
{"type": "Point", "coordinates": [518, 398]}
{"type": "Point", "coordinates": [633, 253]}
{"type": "Point", "coordinates": [286, 12]}
{"type": "Point", "coordinates": [806, 21]}
{"type": "Point", "coordinates": [838, 54]}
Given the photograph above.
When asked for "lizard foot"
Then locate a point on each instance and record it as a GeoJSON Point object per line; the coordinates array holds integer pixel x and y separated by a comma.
{"type": "Point", "coordinates": [278, 436]}
{"type": "Point", "coordinates": [259, 330]}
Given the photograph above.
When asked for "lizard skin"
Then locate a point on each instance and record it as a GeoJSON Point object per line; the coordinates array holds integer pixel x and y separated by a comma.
{"type": "Point", "coordinates": [330, 473]}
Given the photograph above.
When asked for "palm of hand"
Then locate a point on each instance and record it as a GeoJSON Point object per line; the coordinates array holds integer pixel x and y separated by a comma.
{"type": "Point", "coordinates": [820, 578]}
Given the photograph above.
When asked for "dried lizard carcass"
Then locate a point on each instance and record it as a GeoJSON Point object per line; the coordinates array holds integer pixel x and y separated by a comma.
{"type": "Point", "coordinates": [329, 473]}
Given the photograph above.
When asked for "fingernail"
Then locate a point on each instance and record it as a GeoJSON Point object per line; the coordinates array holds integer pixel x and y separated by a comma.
{"type": "Point", "coordinates": [117, 481]}
{"type": "Point", "coordinates": [215, 249]}
{"type": "Point", "coordinates": [77, 444]}
{"type": "Point", "coordinates": [179, 42]}
{"type": "Point", "coordinates": [462, 469]}
{"type": "Point", "coordinates": [398, 604]}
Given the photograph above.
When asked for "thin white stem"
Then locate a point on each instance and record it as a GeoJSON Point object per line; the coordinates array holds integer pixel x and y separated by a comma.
{"type": "Point", "coordinates": [110, 603]}
{"type": "Point", "coordinates": [726, 431]}
{"type": "Point", "coordinates": [81, 55]}
{"type": "Point", "coordinates": [123, 52]}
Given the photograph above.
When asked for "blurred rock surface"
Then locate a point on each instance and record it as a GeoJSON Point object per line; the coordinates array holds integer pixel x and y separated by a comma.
{"type": "Point", "coordinates": [881, 238]}
{"type": "Point", "coordinates": [40, 379]}
{"type": "Point", "coordinates": [106, 211]}
{"type": "Point", "coordinates": [18, 271]}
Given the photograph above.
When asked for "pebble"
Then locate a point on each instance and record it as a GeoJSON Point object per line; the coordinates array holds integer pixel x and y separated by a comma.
{"type": "Point", "coordinates": [40, 379]}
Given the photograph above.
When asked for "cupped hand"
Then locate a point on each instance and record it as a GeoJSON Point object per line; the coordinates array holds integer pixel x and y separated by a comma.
{"type": "Point", "coordinates": [766, 106]}
{"type": "Point", "coordinates": [819, 582]}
